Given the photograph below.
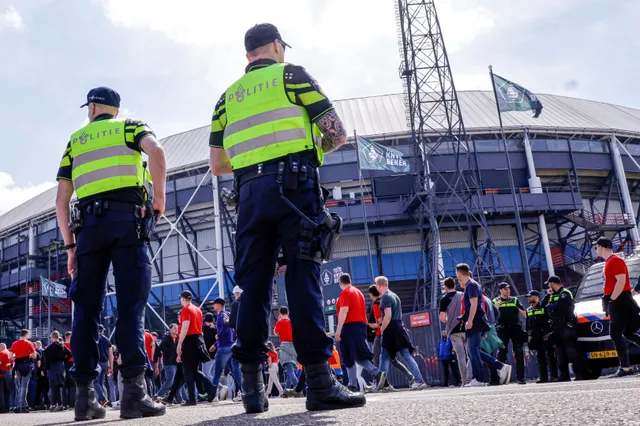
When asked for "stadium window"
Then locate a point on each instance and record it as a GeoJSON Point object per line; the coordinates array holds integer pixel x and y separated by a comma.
{"type": "Point", "coordinates": [539, 145]}
{"type": "Point", "coordinates": [597, 146]}
{"type": "Point", "coordinates": [349, 156]}
{"type": "Point", "coordinates": [186, 183]}
{"type": "Point", "coordinates": [633, 149]}
{"type": "Point", "coordinates": [557, 144]}
{"type": "Point", "coordinates": [514, 145]}
{"type": "Point", "coordinates": [488, 146]}
{"type": "Point", "coordinates": [580, 146]}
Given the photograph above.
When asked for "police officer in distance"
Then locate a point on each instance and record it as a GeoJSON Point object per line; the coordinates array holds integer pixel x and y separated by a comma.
{"type": "Point", "coordinates": [560, 308]}
{"type": "Point", "coordinates": [509, 328]}
{"type": "Point", "coordinates": [271, 129]}
{"type": "Point", "coordinates": [103, 164]}
{"type": "Point", "coordinates": [538, 330]}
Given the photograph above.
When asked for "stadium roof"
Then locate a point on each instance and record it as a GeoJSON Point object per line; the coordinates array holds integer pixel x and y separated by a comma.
{"type": "Point", "coordinates": [383, 116]}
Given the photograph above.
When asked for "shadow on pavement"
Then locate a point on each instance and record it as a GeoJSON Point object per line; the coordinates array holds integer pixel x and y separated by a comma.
{"type": "Point", "coordinates": [294, 419]}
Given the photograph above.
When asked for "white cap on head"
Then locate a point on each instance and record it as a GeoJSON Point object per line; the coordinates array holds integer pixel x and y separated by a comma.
{"type": "Point", "coordinates": [237, 289]}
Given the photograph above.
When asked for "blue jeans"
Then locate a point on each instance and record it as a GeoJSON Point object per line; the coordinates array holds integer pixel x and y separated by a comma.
{"type": "Point", "coordinates": [23, 385]}
{"type": "Point", "coordinates": [223, 355]}
{"type": "Point", "coordinates": [207, 368]}
{"type": "Point", "coordinates": [474, 342]}
{"type": "Point", "coordinates": [292, 379]}
{"type": "Point", "coordinates": [169, 375]}
{"type": "Point", "coordinates": [405, 358]}
{"type": "Point", "coordinates": [98, 383]}
{"type": "Point", "coordinates": [234, 366]}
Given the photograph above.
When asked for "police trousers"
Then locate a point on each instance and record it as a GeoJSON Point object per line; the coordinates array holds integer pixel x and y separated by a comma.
{"type": "Point", "coordinates": [110, 238]}
{"type": "Point", "coordinates": [545, 358]}
{"type": "Point", "coordinates": [266, 223]}
{"type": "Point", "coordinates": [514, 334]}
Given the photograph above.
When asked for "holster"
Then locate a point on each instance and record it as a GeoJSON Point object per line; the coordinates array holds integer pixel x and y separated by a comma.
{"type": "Point", "coordinates": [146, 225]}
{"type": "Point", "coordinates": [75, 220]}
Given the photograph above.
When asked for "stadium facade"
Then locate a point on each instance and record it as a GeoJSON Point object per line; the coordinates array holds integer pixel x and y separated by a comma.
{"type": "Point", "coordinates": [576, 167]}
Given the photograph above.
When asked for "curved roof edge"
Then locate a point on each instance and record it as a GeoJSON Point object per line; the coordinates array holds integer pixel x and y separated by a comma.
{"type": "Point", "coordinates": [383, 117]}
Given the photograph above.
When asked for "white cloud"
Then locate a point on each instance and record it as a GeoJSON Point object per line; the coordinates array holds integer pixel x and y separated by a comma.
{"type": "Point", "coordinates": [12, 195]}
{"type": "Point", "coordinates": [10, 18]}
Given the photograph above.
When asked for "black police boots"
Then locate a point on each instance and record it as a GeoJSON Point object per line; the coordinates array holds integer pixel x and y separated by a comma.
{"type": "Point", "coordinates": [135, 402]}
{"type": "Point", "coordinates": [325, 393]}
{"type": "Point", "coordinates": [254, 397]}
{"type": "Point", "coordinates": [87, 408]}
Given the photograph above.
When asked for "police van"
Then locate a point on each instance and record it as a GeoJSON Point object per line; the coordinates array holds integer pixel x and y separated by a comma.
{"type": "Point", "coordinates": [595, 348]}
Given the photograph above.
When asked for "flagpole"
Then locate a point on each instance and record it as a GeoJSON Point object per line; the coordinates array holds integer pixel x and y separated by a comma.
{"type": "Point", "coordinates": [364, 208]}
{"type": "Point", "coordinates": [521, 244]}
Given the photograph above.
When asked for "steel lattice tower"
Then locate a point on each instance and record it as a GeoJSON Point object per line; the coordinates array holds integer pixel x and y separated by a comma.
{"type": "Point", "coordinates": [444, 198]}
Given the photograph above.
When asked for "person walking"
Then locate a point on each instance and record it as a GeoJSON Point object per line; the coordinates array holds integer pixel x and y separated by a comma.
{"type": "Point", "coordinates": [167, 348]}
{"type": "Point", "coordinates": [55, 356]}
{"type": "Point", "coordinates": [272, 362]}
{"type": "Point", "coordinates": [24, 352]}
{"type": "Point", "coordinates": [450, 308]}
{"type": "Point", "coordinates": [288, 354]}
{"type": "Point", "coordinates": [619, 304]}
{"type": "Point", "coordinates": [395, 339]}
{"type": "Point", "coordinates": [476, 327]}
{"type": "Point", "coordinates": [445, 353]}
{"type": "Point", "coordinates": [104, 166]}
{"type": "Point", "coordinates": [7, 388]}
{"type": "Point", "coordinates": [209, 334]}
{"type": "Point", "coordinates": [271, 129]}
{"type": "Point", "coordinates": [105, 362]}
{"type": "Point", "coordinates": [233, 323]}
{"type": "Point", "coordinates": [191, 349]}
{"type": "Point", "coordinates": [509, 328]}
{"type": "Point", "coordinates": [224, 342]}
{"type": "Point", "coordinates": [351, 334]}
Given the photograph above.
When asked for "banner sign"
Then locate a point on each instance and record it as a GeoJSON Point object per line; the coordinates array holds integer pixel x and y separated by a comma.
{"type": "Point", "coordinates": [53, 289]}
{"type": "Point", "coordinates": [420, 320]}
{"type": "Point", "coordinates": [374, 156]}
{"type": "Point", "coordinates": [329, 278]}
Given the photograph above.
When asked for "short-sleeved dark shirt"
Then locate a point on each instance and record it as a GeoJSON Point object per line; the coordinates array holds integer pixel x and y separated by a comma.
{"type": "Point", "coordinates": [301, 88]}
{"type": "Point", "coordinates": [509, 311]}
{"type": "Point", "coordinates": [473, 290]}
{"type": "Point", "coordinates": [103, 348]}
{"type": "Point", "coordinates": [134, 132]}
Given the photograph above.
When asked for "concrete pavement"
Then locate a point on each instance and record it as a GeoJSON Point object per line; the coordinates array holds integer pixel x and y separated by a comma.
{"type": "Point", "coordinates": [601, 402]}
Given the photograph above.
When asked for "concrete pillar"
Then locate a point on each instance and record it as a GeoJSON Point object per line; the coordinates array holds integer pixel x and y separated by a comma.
{"type": "Point", "coordinates": [30, 265]}
{"type": "Point", "coordinates": [535, 186]}
{"type": "Point", "coordinates": [618, 168]}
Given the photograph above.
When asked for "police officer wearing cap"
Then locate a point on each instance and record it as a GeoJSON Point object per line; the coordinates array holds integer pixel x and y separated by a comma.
{"type": "Point", "coordinates": [271, 129]}
{"type": "Point", "coordinates": [560, 308]}
{"type": "Point", "coordinates": [509, 328]}
{"type": "Point", "coordinates": [103, 165]}
{"type": "Point", "coordinates": [538, 330]}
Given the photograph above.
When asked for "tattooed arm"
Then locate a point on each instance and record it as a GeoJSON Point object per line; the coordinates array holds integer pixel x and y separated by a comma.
{"type": "Point", "coordinates": [332, 129]}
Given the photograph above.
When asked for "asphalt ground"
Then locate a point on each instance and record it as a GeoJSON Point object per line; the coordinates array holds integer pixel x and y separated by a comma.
{"type": "Point", "coordinates": [600, 402]}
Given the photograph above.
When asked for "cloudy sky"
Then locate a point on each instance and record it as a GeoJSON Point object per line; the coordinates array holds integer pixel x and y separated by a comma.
{"type": "Point", "coordinates": [170, 60]}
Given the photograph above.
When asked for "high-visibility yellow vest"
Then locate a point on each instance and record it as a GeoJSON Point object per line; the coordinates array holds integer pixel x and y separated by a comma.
{"type": "Point", "coordinates": [555, 297]}
{"type": "Point", "coordinates": [531, 311]}
{"type": "Point", "coordinates": [509, 303]}
{"type": "Point", "coordinates": [102, 161]}
{"type": "Point", "coordinates": [262, 123]}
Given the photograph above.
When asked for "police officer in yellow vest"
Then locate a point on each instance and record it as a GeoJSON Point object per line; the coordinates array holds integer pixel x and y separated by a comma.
{"type": "Point", "coordinates": [271, 129]}
{"type": "Point", "coordinates": [103, 164]}
{"type": "Point", "coordinates": [509, 328]}
{"type": "Point", "coordinates": [538, 330]}
{"type": "Point", "coordinates": [561, 310]}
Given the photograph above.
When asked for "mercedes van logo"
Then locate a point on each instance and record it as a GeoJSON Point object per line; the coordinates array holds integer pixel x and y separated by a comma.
{"type": "Point", "coordinates": [597, 327]}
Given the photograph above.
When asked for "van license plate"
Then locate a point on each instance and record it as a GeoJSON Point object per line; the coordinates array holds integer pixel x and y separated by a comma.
{"type": "Point", "coordinates": [602, 354]}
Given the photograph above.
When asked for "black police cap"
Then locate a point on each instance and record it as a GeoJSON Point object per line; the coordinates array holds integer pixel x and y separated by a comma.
{"type": "Point", "coordinates": [219, 301]}
{"type": "Point", "coordinates": [554, 279]}
{"type": "Point", "coordinates": [104, 96]}
{"type": "Point", "coordinates": [260, 35]}
{"type": "Point", "coordinates": [503, 285]}
{"type": "Point", "coordinates": [533, 293]}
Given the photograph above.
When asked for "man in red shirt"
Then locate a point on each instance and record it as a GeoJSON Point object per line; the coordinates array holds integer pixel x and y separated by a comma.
{"type": "Point", "coordinates": [351, 333]}
{"type": "Point", "coordinates": [23, 355]}
{"type": "Point", "coordinates": [618, 302]}
{"type": "Point", "coordinates": [288, 354]}
{"type": "Point", "coordinates": [149, 345]}
{"type": "Point", "coordinates": [7, 388]}
{"type": "Point", "coordinates": [191, 349]}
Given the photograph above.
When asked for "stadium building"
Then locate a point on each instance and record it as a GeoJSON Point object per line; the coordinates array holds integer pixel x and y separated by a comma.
{"type": "Point", "coordinates": [575, 171]}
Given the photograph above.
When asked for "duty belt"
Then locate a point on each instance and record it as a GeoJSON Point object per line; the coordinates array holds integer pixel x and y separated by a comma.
{"type": "Point", "coordinates": [271, 168]}
{"type": "Point", "coordinates": [98, 207]}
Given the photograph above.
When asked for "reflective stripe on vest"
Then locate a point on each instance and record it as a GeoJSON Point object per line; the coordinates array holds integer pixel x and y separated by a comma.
{"type": "Point", "coordinates": [101, 159]}
{"type": "Point", "coordinates": [531, 311]}
{"type": "Point", "coordinates": [262, 123]}
{"type": "Point", "coordinates": [505, 304]}
{"type": "Point", "coordinates": [555, 297]}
